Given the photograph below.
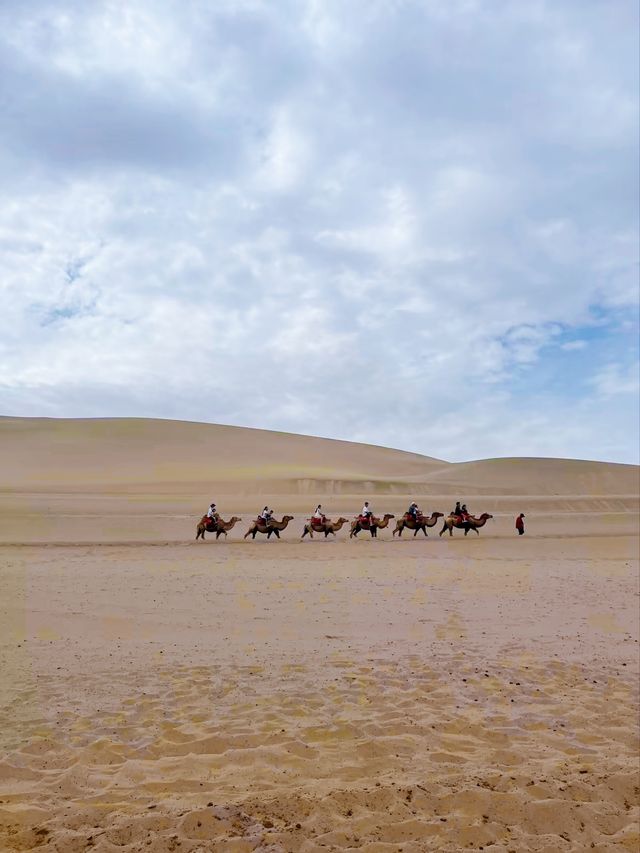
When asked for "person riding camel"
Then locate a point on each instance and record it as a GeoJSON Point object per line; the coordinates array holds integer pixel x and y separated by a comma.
{"type": "Point", "coordinates": [458, 510]}
{"type": "Point", "coordinates": [464, 512]}
{"type": "Point", "coordinates": [414, 511]}
{"type": "Point", "coordinates": [266, 515]}
{"type": "Point", "coordinates": [212, 512]}
{"type": "Point", "coordinates": [318, 516]}
{"type": "Point", "coordinates": [367, 512]}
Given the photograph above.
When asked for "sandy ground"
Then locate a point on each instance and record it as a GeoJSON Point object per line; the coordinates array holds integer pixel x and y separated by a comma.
{"type": "Point", "coordinates": [439, 694]}
{"type": "Point", "coordinates": [377, 695]}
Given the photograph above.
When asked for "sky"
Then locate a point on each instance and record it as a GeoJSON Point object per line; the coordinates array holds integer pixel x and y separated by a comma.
{"type": "Point", "coordinates": [412, 224]}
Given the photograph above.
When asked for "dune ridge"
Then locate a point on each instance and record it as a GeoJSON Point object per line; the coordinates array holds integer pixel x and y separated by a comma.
{"type": "Point", "coordinates": [130, 454]}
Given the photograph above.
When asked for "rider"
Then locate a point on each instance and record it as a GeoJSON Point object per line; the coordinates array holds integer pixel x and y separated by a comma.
{"type": "Point", "coordinates": [266, 515]}
{"type": "Point", "coordinates": [367, 512]}
{"type": "Point", "coordinates": [457, 510]}
{"type": "Point", "coordinates": [212, 512]}
{"type": "Point", "coordinates": [318, 516]}
{"type": "Point", "coordinates": [414, 511]}
{"type": "Point", "coordinates": [464, 512]}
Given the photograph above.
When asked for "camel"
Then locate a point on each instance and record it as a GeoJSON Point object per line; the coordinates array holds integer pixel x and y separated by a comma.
{"type": "Point", "coordinates": [217, 527]}
{"type": "Point", "coordinates": [258, 526]}
{"type": "Point", "coordinates": [314, 526]}
{"type": "Point", "coordinates": [472, 523]}
{"type": "Point", "coordinates": [421, 523]}
{"type": "Point", "coordinates": [374, 525]}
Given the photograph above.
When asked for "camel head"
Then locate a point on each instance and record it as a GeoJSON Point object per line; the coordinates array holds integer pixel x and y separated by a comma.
{"type": "Point", "coordinates": [486, 515]}
{"type": "Point", "coordinates": [235, 518]}
{"type": "Point", "coordinates": [341, 520]}
{"type": "Point", "coordinates": [388, 515]}
{"type": "Point", "coordinates": [287, 518]}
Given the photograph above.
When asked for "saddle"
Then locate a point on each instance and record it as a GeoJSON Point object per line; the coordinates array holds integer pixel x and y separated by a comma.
{"type": "Point", "coordinates": [419, 518]}
{"type": "Point", "coordinates": [209, 523]}
{"type": "Point", "coordinates": [363, 521]}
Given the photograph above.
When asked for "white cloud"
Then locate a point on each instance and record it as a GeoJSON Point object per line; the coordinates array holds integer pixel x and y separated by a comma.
{"type": "Point", "coordinates": [613, 380]}
{"type": "Point", "coordinates": [433, 203]}
{"type": "Point", "coordinates": [573, 345]}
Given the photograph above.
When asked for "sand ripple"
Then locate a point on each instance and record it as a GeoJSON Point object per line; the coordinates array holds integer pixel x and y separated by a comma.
{"type": "Point", "coordinates": [395, 754]}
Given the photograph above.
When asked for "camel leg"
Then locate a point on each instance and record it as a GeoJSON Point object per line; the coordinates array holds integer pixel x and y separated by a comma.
{"type": "Point", "coordinates": [277, 532]}
{"type": "Point", "coordinates": [247, 533]}
{"type": "Point", "coordinates": [304, 533]}
{"type": "Point", "coordinates": [443, 529]}
{"type": "Point", "coordinates": [198, 532]}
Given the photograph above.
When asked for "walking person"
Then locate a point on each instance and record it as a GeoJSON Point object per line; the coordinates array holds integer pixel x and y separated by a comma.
{"type": "Point", "coordinates": [520, 524]}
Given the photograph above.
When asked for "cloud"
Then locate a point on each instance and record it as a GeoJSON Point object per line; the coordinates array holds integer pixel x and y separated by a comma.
{"type": "Point", "coordinates": [418, 220]}
{"type": "Point", "coordinates": [573, 345]}
{"type": "Point", "coordinates": [613, 380]}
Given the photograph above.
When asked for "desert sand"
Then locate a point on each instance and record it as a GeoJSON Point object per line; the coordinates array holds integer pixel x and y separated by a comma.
{"type": "Point", "coordinates": [421, 694]}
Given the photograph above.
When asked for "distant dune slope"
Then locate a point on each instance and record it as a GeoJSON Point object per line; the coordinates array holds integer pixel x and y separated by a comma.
{"type": "Point", "coordinates": [65, 453]}
{"type": "Point", "coordinates": [43, 454]}
{"type": "Point", "coordinates": [537, 476]}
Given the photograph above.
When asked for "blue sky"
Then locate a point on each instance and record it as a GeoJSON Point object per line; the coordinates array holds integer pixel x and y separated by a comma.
{"type": "Point", "coordinates": [408, 223]}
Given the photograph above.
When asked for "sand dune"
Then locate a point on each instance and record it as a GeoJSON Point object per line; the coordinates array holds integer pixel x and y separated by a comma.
{"type": "Point", "coordinates": [127, 452]}
{"type": "Point", "coordinates": [149, 480]}
{"type": "Point", "coordinates": [43, 454]}
{"type": "Point", "coordinates": [433, 694]}
{"type": "Point", "coordinates": [535, 476]}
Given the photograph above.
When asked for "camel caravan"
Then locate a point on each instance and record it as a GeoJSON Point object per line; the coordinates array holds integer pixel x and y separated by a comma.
{"type": "Point", "coordinates": [413, 519]}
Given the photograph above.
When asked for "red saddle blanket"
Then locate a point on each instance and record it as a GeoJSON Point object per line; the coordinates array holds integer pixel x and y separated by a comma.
{"type": "Point", "coordinates": [208, 522]}
{"type": "Point", "coordinates": [410, 517]}
{"type": "Point", "coordinates": [364, 521]}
